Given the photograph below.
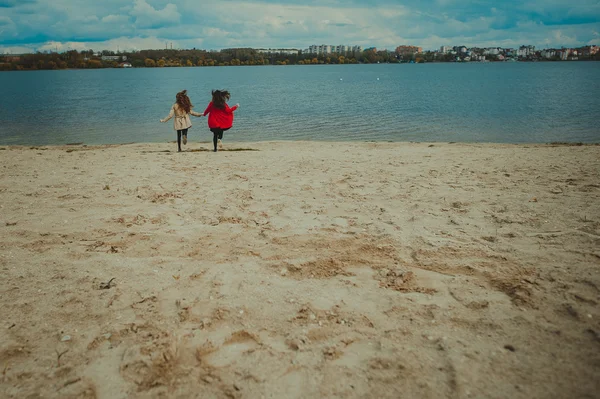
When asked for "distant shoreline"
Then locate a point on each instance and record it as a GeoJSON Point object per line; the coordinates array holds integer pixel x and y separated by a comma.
{"type": "Point", "coordinates": [381, 63]}
{"type": "Point", "coordinates": [89, 59]}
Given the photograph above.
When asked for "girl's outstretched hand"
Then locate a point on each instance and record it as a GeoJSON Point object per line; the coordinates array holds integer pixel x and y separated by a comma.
{"type": "Point", "coordinates": [237, 105]}
{"type": "Point", "coordinates": [161, 121]}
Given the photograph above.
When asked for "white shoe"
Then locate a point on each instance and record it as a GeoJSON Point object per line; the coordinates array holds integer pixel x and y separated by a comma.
{"type": "Point", "coordinates": [220, 144]}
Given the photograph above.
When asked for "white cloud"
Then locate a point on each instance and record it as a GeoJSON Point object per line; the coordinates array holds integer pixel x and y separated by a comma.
{"type": "Point", "coordinates": [112, 18]}
{"type": "Point", "coordinates": [8, 28]}
{"type": "Point", "coordinates": [134, 44]}
{"type": "Point", "coordinates": [218, 32]}
{"type": "Point", "coordinates": [258, 24]}
{"type": "Point", "coordinates": [15, 50]}
{"type": "Point", "coordinates": [87, 19]}
{"type": "Point", "coordinates": [219, 24]}
{"type": "Point", "coordinates": [147, 16]}
{"type": "Point", "coordinates": [5, 21]}
{"type": "Point", "coordinates": [120, 43]}
{"type": "Point", "coordinates": [60, 47]}
{"type": "Point", "coordinates": [393, 12]}
{"type": "Point", "coordinates": [559, 37]}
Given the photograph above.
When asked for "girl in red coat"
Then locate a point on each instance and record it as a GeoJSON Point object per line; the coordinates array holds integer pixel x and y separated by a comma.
{"type": "Point", "coordinates": [220, 116]}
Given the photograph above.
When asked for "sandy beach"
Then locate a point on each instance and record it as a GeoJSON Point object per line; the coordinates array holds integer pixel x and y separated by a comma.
{"type": "Point", "coordinates": [300, 270]}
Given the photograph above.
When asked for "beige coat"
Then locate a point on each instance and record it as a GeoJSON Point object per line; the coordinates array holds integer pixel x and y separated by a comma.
{"type": "Point", "coordinates": [182, 119]}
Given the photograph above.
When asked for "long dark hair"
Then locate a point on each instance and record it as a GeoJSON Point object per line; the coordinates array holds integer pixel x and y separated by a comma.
{"type": "Point", "coordinates": [184, 101]}
{"type": "Point", "coordinates": [220, 97]}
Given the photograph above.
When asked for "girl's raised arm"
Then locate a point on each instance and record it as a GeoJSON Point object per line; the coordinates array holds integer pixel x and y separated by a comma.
{"type": "Point", "coordinates": [171, 113]}
{"type": "Point", "coordinates": [208, 109]}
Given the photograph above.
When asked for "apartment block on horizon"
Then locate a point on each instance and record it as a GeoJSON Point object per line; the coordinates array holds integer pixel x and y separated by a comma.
{"type": "Point", "coordinates": [548, 53]}
{"type": "Point", "coordinates": [329, 49]}
{"type": "Point", "coordinates": [526, 51]}
{"type": "Point", "coordinates": [114, 58]}
{"type": "Point", "coordinates": [285, 51]}
{"type": "Point", "coordinates": [492, 51]}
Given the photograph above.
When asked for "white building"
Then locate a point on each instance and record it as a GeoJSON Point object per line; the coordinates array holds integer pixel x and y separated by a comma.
{"type": "Point", "coordinates": [564, 55]}
{"type": "Point", "coordinates": [286, 51]}
{"type": "Point", "coordinates": [445, 49]}
{"type": "Point", "coordinates": [525, 51]}
{"type": "Point", "coordinates": [329, 49]}
{"type": "Point", "coordinates": [549, 53]}
{"type": "Point", "coordinates": [322, 49]}
{"type": "Point", "coordinates": [114, 58]}
{"type": "Point", "coordinates": [491, 51]}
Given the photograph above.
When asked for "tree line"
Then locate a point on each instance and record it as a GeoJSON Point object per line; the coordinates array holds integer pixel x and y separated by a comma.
{"type": "Point", "coordinates": [89, 59]}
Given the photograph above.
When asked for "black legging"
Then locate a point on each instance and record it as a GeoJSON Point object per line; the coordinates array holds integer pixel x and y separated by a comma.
{"type": "Point", "coordinates": [179, 133]}
{"type": "Point", "coordinates": [217, 135]}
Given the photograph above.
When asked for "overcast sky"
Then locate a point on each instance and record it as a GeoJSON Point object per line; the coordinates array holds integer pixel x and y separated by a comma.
{"type": "Point", "coordinates": [30, 25]}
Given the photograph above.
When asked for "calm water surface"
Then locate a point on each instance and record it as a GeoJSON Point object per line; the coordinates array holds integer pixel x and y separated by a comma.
{"type": "Point", "coordinates": [493, 102]}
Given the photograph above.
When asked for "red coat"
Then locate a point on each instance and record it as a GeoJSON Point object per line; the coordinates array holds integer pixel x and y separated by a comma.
{"type": "Point", "coordinates": [221, 118]}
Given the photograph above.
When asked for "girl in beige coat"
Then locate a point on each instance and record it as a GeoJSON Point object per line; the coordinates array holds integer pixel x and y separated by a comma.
{"type": "Point", "coordinates": [181, 110]}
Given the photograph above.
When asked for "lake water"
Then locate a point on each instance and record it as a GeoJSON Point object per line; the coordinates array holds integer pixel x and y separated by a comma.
{"type": "Point", "coordinates": [478, 102]}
